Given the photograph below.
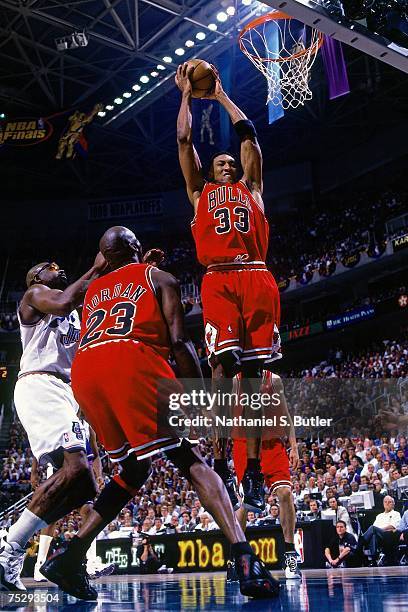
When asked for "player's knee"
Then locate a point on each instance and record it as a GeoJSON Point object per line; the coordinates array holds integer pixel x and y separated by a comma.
{"type": "Point", "coordinates": [252, 369]}
{"type": "Point", "coordinates": [188, 460]}
{"type": "Point", "coordinates": [225, 365]}
{"type": "Point", "coordinates": [76, 471]}
{"type": "Point", "coordinates": [135, 472]}
{"type": "Point", "coordinates": [284, 495]}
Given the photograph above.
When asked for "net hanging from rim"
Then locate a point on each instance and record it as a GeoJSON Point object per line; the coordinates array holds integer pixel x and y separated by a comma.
{"type": "Point", "coordinates": [284, 51]}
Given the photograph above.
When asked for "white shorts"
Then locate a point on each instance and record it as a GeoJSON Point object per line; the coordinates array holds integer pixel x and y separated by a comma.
{"type": "Point", "coordinates": [48, 411]}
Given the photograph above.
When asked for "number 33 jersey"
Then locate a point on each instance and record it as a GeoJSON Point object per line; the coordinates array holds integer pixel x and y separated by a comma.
{"type": "Point", "coordinates": [122, 305]}
{"type": "Point", "coordinates": [229, 225]}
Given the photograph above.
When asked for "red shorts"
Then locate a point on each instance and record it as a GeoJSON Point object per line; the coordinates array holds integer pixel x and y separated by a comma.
{"type": "Point", "coordinates": [241, 312]}
{"type": "Point", "coordinates": [116, 385]}
{"type": "Point", "coordinates": [274, 462]}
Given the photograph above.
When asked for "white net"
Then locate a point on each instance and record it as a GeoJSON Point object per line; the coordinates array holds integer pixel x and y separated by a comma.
{"type": "Point", "coordinates": [284, 50]}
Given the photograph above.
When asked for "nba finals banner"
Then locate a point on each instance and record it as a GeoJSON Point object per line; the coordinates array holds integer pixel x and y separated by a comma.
{"type": "Point", "coordinates": [25, 131]}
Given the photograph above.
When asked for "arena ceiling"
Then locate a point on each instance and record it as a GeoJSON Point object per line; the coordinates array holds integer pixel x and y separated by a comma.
{"type": "Point", "coordinates": [137, 150]}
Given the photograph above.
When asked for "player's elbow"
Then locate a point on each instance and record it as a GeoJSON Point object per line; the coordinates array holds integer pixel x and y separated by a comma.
{"type": "Point", "coordinates": [184, 139]}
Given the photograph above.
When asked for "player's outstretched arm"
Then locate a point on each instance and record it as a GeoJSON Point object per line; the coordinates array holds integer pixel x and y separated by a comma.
{"type": "Point", "coordinates": [168, 292]}
{"type": "Point", "coordinates": [40, 298]}
{"type": "Point", "coordinates": [188, 156]}
{"type": "Point", "coordinates": [251, 155]}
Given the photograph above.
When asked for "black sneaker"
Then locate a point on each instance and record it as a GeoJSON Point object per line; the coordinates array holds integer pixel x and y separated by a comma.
{"type": "Point", "coordinates": [232, 575]}
{"type": "Point", "coordinates": [69, 575]}
{"type": "Point", "coordinates": [254, 579]}
{"type": "Point", "coordinates": [291, 567]}
{"type": "Point", "coordinates": [229, 482]}
{"type": "Point", "coordinates": [253, 488]}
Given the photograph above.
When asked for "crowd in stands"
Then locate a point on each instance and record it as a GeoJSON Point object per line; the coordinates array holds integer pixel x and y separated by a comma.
{"type": "Point", "coordinates": [332, 465]}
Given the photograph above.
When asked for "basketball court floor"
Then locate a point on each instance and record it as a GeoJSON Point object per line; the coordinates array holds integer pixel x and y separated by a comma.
{"type": "Point", "coordinates": [364, 589]}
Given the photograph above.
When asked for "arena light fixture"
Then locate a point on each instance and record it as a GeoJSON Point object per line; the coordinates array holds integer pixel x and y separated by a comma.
{"type": "Point", "coordinates": [118, 100]}
{"type": "Point", "coordinates": [154, 73]}
{"type": "Point", "coordinates": [200, 36]}
{"type": "Point", "coordinates": [101, 114]}
{"type": "Point", "coordinates": [127, 94]}
{"type": "Point", "coordinates": [160, 67]}
{"type": "Point", "coordinates": [212, 26]}
{"type": "Point", "coordinates": [144, 78]}
{"type": "Point", "coordinates": [109, 107]}
{"type": "Point", "coordinates": [221, 16]}
{"type": "Point", "coordinates": [189, 43]}
{"type": "Point", "coordinates": [167, 59]}
{"type": "Point", "coordinates": [136, 87]}
{"type": "Point", "coordinates": [230, 11]}
{"type": "Point", "coordinates": [179, 51]}
{"type": "Point", "coordinates": [246, 2]}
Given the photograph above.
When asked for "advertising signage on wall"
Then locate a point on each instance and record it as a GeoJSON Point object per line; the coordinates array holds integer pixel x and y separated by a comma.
{"type": "Point", "coordinates": [302, 332]}
{"type": "Point", "coordinates": [400, 243]}
{"type": "Point", "coordinates": [123, 209]}
{"type": "Point", "coordinates": [209, 551]}
{"type": "Point", "coordinates": [353, 316]}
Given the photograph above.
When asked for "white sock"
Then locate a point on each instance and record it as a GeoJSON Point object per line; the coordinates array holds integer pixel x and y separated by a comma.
{"type": "Point", "coordinates": [24, 528]}
{"type": "Point", "coordinates": [91, 552]}
{"type": "Point", "coordinates": [43, 548]}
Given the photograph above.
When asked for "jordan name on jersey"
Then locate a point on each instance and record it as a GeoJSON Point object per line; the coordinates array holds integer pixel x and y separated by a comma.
{"type": "Point", "coordinates": [132, 292]}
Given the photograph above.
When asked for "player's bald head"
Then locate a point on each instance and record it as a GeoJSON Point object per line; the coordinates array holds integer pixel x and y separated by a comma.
{"type": "Point", "coordinates": [119, 246]}
{"type": "Point", "coordinates": [32, 273]}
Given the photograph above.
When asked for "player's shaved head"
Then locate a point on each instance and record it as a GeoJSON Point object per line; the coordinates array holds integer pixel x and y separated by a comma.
{"type": "Point", "coordinates": [120, 246]}
{"type": "Point", "coordinates": [32, 273]}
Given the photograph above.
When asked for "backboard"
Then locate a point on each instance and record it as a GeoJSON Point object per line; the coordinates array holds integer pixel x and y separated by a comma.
{"type": "Point", "coordinates": [323, 16]}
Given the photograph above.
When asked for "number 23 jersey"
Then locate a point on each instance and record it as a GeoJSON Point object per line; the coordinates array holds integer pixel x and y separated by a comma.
{"type": "Point", "coordinates": [229, 225]}
{"type": "Point", "coordinates": [122, 305]}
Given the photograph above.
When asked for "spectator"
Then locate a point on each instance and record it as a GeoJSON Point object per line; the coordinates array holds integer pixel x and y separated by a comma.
{"type": "Point", "coordinates": [342, 549]}
{"type": "Point", "coordinates": [379, 535]}
{"type": "Point", "coordinates": [340, 514]}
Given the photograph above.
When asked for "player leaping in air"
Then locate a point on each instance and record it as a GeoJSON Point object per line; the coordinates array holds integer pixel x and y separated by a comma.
{"type": "Point", "coordinates": [239, 295]}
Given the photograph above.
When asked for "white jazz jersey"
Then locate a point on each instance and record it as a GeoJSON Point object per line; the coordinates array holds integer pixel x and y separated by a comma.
{"type": "Point", "coordinates": [50, 345]}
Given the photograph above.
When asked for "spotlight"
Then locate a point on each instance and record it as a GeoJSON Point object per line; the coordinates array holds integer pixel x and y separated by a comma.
{"type": "Point", "coordinates": [179, 51]}
{"type": "Point", "coordinates": [144, 79]}
{"type": "Point", "coordinates": [246, 2]}
{"type": "Point", "coordinates": [200, 36]}
{"type": "Point", "coordinates": [127, 94]}
{"type": "Point", "coordinates": [154, 73]}
{"type": "Point", "coordinates": [2, 115]}
{"type": "Point", "coordinates": [189, 43]}
{"type": "Point", "coordinates": [167, 59]}
{"type": "Point", "coordinates": [212, 26]}
{"type": "Point", "coordinates": [160, 67]}
{"type": "Point", "coordinates": [118, 100]}
{"type": "Point", "coordinates": [101, 114]}
{"type": "Point", "coordinates": [222, 16]}
{"type": "Point", "coordinates": [109, 107]}
{"type": "Point", "coordinates": [230, 11]}
{"type": "Point", "coordinates": [136, 87]}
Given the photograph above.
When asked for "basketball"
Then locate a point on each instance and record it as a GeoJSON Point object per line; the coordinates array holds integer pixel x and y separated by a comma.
{"type": "Point", "coordinates": [202, 78]}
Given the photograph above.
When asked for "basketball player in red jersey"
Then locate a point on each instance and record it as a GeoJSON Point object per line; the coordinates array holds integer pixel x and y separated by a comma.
{"type": "Point", "coordinates": [240, 298]}
{"type": "Point", "coordinates": [275, 465]}
{"type": "Point", "coordinates": [133, 318]}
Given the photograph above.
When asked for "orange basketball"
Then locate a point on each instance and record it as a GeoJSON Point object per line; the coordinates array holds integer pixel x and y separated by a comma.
{"type": "Point", "coordinates": [202, 78]}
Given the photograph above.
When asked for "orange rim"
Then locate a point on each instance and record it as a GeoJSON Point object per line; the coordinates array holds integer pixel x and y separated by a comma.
{"type": "Point", "coordinates": [275, 16]}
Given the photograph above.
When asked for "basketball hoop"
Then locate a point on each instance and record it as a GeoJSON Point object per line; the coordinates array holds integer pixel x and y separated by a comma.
{"type": "Point", "coordinates": [284, 50]}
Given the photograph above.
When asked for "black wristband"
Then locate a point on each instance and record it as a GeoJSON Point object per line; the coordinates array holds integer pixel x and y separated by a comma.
{"type": "Point", "coordinates": [245, 128]}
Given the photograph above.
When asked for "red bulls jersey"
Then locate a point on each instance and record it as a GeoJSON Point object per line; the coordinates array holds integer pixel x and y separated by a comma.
{"type": "Point", "coordinates": [229, 225]}
{"type": "Point", "coordinates": [122, 306]}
